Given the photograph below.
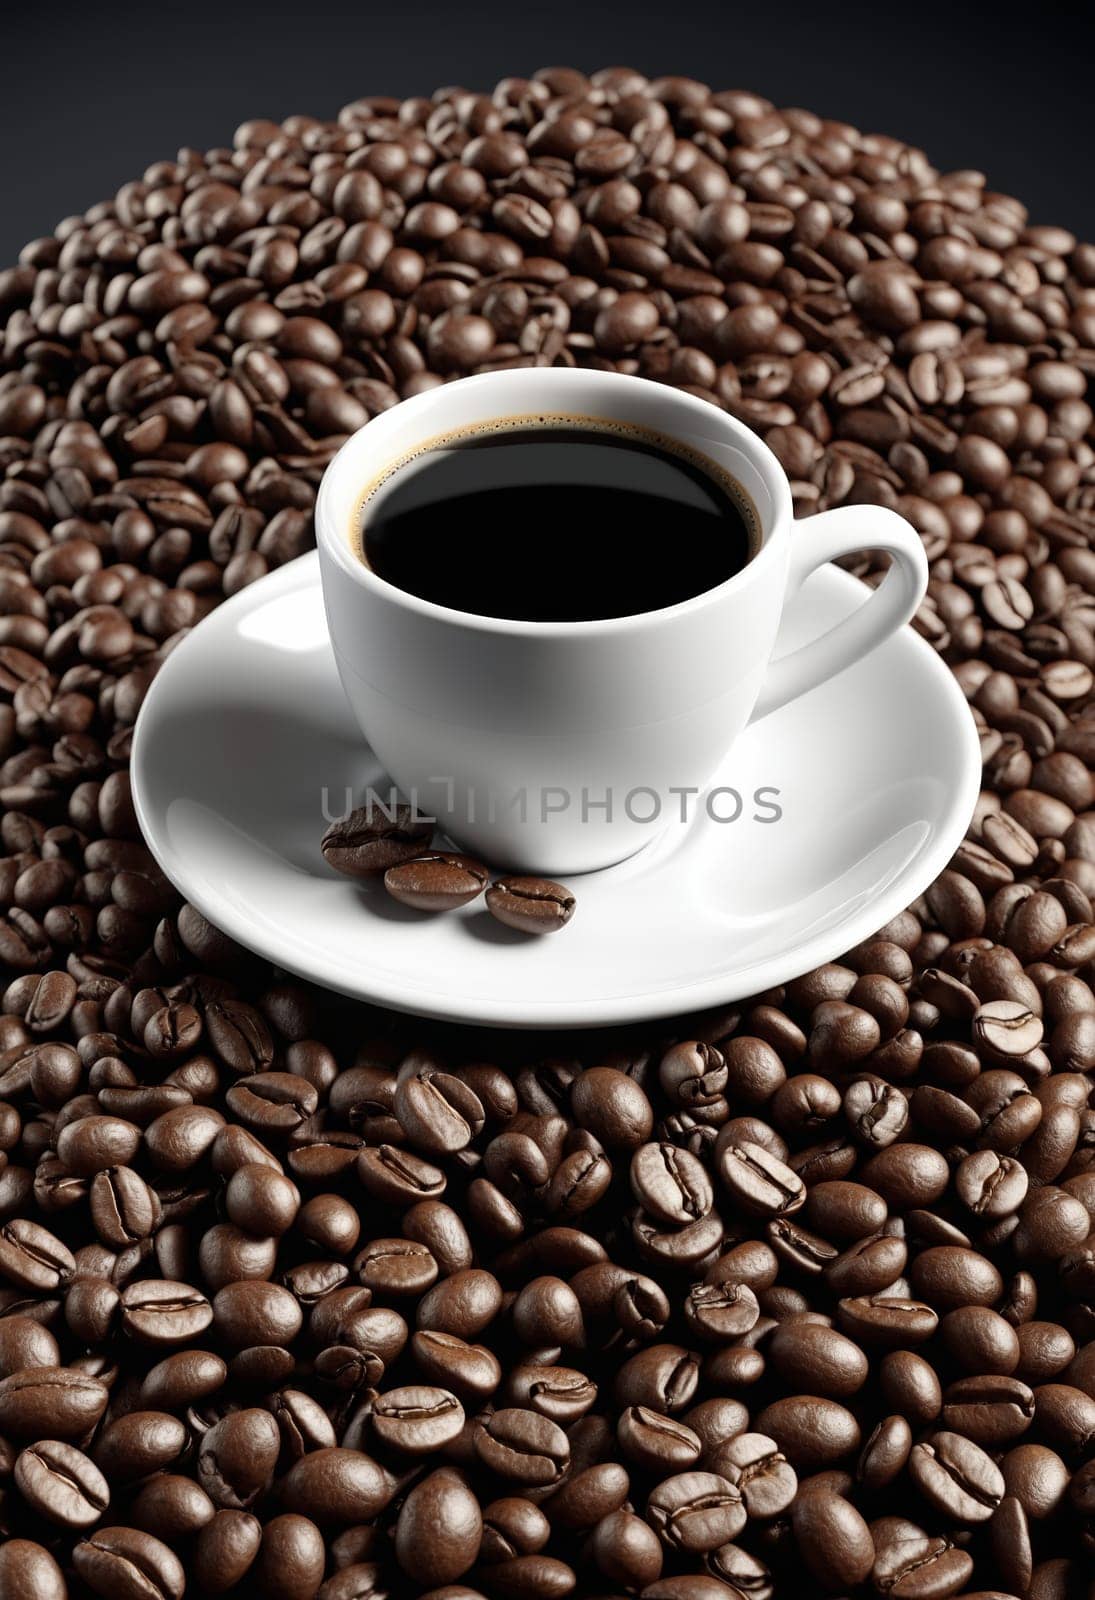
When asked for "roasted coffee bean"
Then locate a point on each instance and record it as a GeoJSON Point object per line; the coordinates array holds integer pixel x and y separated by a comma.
{"type": "Point", "coordinates": [437, 1112]}
{"type": "Point", "coordinates": [717, 1420]}
{"type": "Point", "coordinates": [439, 1230]}
{"type": "Point", "coordinates": [818, 1359]}
{"type": "Point", "coordinates": [949, 1276]}
{"type": "Point", "coordinates": [357, 1581]}
{"type": "Point", "coordinates": [869, 1266]}
{"type": "Point", "coordinates": [90, 1308]}
{"type": "Point", "coordinates": [980, 1340]}
{"type": "Point", "coordinates": [754, 1072]}
{"type": "Point", "coordinates": [24, 1343]}
{"type": "Point", "coordinates": [51, 1402]}
{"type": "Point", "coordinates": [663, 1377]}
{"type": "Point", "coordinates": [225, 1550]}
{"type": "Point", "coordinates": [1009, 1536]}
{"type": "Point", "coordinates": [273, 1102]}
{"type": "Point", "coordinates": [439, 1529]}
{"type": "Point", "coordinates": [696, 1511]}
{"type": "Point", "coordinates": [530, 905]}
{"type": "Point", "coordinates": [811, 1431]}
{"type": "Point", "coordinates": [29, 1572]}
{"type": "Point", "coordinates": [1037, 1477]}
{"type": "Point", "coordinates": [160, 1312]}
{"type": "Point", "coordinates": [991, 1185]}
{"type": "Point", "coordinates": [656, 1442]}
{"type": "Point", "coordinates": [417, 1420]}
{"type": "Point", "coordinates": [396, 1267]}
{"type": "Point", "coordinates": [1045, 1349]}
{"type": "Point", "coordinates": [670, 1184]}
{"type": "Point", "coordinates": [171, 1506]}
{"type": "Point", "coordinates": [956, 1477]}
{"type": "Point", "coordinates": [1007, 1028]}
{"type": "Point", "coordinates": [464, 1304]}
{"type": "Point", "coordinates": [61, 1483]}
{"type": "Point", "coordinates": [562, 1393]}
{"type": "Point", "coordinates": [178, 1140]}
{"type": "Point", "coordinates": [887, 1321]}
{"type": "Point", "coordinates": [124, 1208]}
{"type": "Point", "coordinates": [1065, 1415]}
{"type": "Point", "coordinates": [398, 1177]}
{"type": "Point", "coordinates": [589, 1493]}
{"type": "Point", "coordinates": [626, 1549]}
{"type": "Point", "coordinates": [471, 1370]}
{"type": "Point", "coordinates": [756, 1465]}
{"type": "Point", "coordinates": [547, 1312]}
{"type": "Point", "coordinates": [228, 1253]}
{"type": "Point", "coordinates": [184, 1379]}
{"type": "Point", "coordinates": [911, 1563]}
{"type": "Point", "coordinates": [239, 1035]}
{"type": "Point", "coordinates": [376, 1332]}
{"type": "Point", "coordinates": [677, 1248]}
{"type": "Point", "coordinates": [436, 882]}
{"type": "Point", "coordinates": [735, 1569]}
{"type": "Point", "coordinates": [129, 1565]}
{"type": "Point", "coordinates": [721, 1312]}
{"type": "Point", "coordinates": [536, 1575]}
{"type": "Point", "coordinates": [370, 840]}
{"type": "Point", "coordinates": [522, 1447]}
{"type": "Point", "coordinates": [613, 1107]}
{"type": "Point", "coordinates": [1049, 1225]}
{"type": "Point", "coordinates": [91, 1144]}
{"type": "Point", "coordinates": [32, 1258]}
{"type": "Point", "coordinates": [758, 1182]}
{"type": "Point", "coordinates": [841, 1210]}
{"type": "Point", "coordinates": [246, 1314]}
{"type": "Point", "coordinates": [303, 1423]}
{"type": "Point", "coordinates": [876, 1112]}
{"type": "Point", "coordinates": [841, 1034]}
{"type": "Point", "coordinates": [236, 1457]}
{"type": "Point", "coordinates": [990, 1410]}
{"type": "Point", "coordinates": [291, 1559]}
{"type": "Point", "coordinates": [261, 1200]}
{"type": "Point", "coordinates": [885, 1453]}
{"type": "Point", "coordinates": [135, 1445]}
{"type": "Point", "coordinates": [833, 1539]}
{"type": "Point", "coordinates": [512, 1526]}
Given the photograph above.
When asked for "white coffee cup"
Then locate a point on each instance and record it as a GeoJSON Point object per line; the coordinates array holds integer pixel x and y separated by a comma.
{"type": "Point", "coordinates": [530, 741]}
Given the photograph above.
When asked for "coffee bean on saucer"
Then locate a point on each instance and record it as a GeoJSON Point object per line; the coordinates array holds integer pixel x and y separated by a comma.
{"type": "Point", "coordinates": [374, 838]}
{"type": "Point", "coordinates": [436, 881]}
{"type": "Point", "coordinates": [531, 905]}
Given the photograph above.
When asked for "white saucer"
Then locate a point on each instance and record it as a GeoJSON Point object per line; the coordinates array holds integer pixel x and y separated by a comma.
{"type": "Point", "coordinates": [246, 726]}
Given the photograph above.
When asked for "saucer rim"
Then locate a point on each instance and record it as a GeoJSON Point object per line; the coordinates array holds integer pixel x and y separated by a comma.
{"type": "Point", "coordinates": [680, 999]}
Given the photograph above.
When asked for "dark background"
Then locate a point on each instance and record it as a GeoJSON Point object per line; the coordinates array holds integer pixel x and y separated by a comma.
{"type": "Point", "coordinates": [92, 93]}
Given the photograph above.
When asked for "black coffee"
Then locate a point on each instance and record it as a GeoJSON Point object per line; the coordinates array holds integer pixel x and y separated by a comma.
{"type": "Point", "coordinates": [556, 521]}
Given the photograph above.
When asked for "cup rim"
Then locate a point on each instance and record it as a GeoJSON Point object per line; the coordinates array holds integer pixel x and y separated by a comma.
{"type": "Point", "coordinates": [331, 536]}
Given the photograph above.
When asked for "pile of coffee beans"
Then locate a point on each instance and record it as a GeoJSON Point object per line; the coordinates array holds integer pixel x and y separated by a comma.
{"type": "Point", "coordinates": [297, 1299]}
{"type": "Point", "coordinates": [389, 843]}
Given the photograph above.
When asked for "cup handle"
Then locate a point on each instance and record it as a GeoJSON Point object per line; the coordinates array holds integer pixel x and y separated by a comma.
{"type": "Point", "coordinates": [821, 538]}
